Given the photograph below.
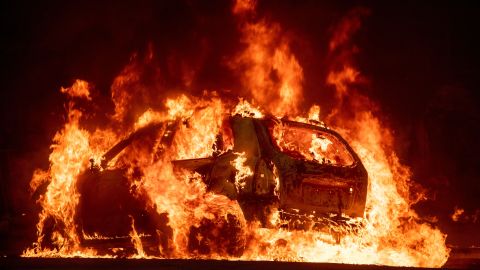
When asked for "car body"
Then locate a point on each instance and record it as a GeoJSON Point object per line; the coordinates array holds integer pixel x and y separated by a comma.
{"type": "Point", "coordinates": [334, 186]}
{"type": "Point", "coordinates": [286, 174]}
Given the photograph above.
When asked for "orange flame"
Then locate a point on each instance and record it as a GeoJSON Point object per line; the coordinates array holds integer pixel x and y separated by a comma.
{"type": "Point", "coordinates": [243, 171]}
{"type": "Point", "coordinates": [136, 241]}
{"type": "Point", "coordinates": [269, 70]}
{"type": "Point", "coordinates": [78, 89]}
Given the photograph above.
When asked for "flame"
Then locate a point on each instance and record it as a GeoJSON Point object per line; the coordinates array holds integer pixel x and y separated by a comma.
{"type": "Point", "coordinates": [136, 241]}
{"type": "Point", "coordinates": [189, 218]}
{"type": "Point", "coordinates": [120, 97]}
{"type": "Point", "coordinates": [148, 117]}
{"type": "Point", "coordinates": [69, 157]}
{"type": "Point", "coordinates": [342, 78]}
{"type": "Point", "coordinates": [197, 139]}
{"type": "Point", "coordinates": [311, 145]}
{"type": "Point", "coordinates": [243, 171]}
{"type": "Point", "coordinates": [269, 70]}
{"type": "Point", "coordinates": [458, 212]}
{"type": "Point", "coordinates": [246, 109]}
{"type": "Point", "coordinates": [314, 113]}
{"type": "Point", "coordinates": [39, 178]}
{"type": "Point", "coordinates": [276, 190]}
{"type": "Point", "coordinates": [319, 143]}
{"type": "Point", "coordinates": [79, 89]}
{"type": "Point", "coordinates": [243, 6]}
{"type": "Point", "coordinates": [350, 24]}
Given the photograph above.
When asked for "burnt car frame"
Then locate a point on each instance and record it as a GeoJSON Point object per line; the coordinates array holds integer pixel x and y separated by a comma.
{"type": "Point", "coordinates": [298, 187]}
{"type": "Point", "coordinates": [302, 188]}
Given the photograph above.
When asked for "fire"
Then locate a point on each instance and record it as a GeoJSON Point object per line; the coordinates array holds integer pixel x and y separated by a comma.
{"type": "Point", "coordinates": [458, 212]}
{"type": "Point", "coordinates": [314, 113]}
{"type": "Point", "coordinates": [197, 138]}
{"type": "Point", "coordinates": [269, 70]}
{"type": "Point", "coordinates": [193, 222]}
{"type": "Point", "coordinates": [137, 242]}
{"type": "Point", "coordinates": [244, 108]}
{"type": "Point", "coordinates": [79, 89]}
{"type": "Point", "coordinates": [342, 78]}
{"type": "Point", "coordinates": [243, 171]}
{"type": "Point", "coordinates": [70, 155]}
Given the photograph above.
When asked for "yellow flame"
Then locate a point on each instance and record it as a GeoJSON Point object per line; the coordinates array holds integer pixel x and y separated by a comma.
{"type": "Point", "coordinates": [243, 171]}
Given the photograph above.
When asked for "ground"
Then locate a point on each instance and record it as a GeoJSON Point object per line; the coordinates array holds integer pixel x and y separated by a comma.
{"type": "Point", "coordinates": [463, 259]}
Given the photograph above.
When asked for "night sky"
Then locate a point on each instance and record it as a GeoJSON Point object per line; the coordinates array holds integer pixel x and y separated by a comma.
{"type": "Point", "coordinates": [421, 59]}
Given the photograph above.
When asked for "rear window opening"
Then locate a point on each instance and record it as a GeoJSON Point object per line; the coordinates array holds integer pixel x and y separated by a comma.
{"type": "Point", "coordinates": [310, 144]}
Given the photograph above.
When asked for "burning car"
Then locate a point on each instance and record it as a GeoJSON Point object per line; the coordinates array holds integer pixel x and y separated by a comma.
{"type": "Point", "coordinates": [306, 171]}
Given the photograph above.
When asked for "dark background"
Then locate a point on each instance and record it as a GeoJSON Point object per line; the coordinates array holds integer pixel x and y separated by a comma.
{"type": "Point", "coordinates": [421, 58]}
